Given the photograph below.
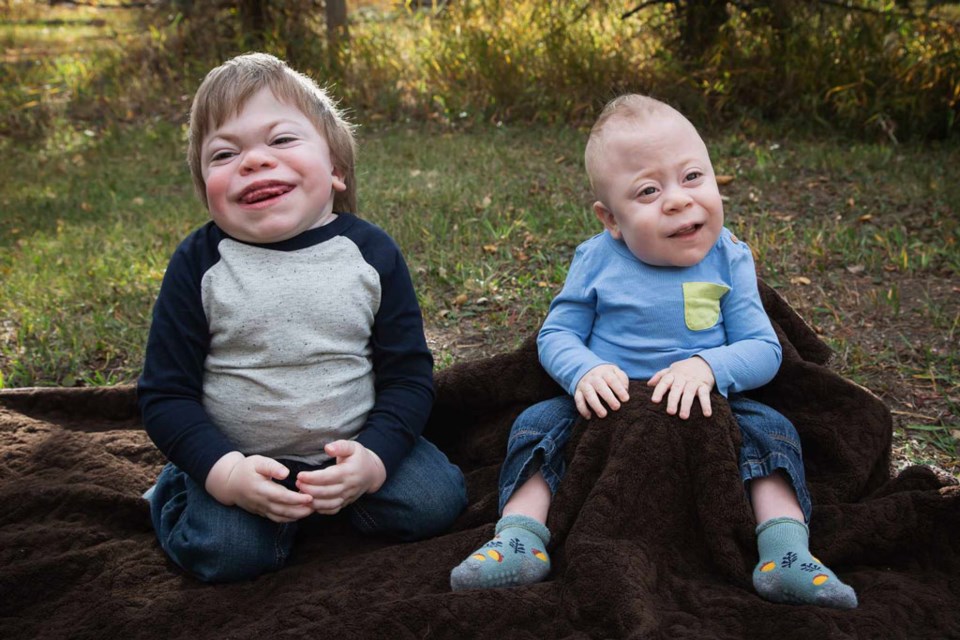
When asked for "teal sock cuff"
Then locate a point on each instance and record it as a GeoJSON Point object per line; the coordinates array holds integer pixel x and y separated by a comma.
{"type": "Point", "coordinates": [526, 523]}
{"type": "Point", "coordinates": [773, 522]}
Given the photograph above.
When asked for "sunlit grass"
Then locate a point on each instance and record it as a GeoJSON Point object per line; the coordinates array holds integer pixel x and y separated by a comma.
{"type": "Point", "coordinates": [488, 216]}
{"type": "Point", "coordinates": [488, 219]}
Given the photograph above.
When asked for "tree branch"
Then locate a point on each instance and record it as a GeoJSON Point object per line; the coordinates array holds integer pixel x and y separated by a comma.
{"type": "Point", "coordinates": [642, 6]}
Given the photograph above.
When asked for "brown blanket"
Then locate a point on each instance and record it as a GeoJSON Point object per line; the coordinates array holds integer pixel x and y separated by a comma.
{"type": "Point", "coordinates": [652, 534]}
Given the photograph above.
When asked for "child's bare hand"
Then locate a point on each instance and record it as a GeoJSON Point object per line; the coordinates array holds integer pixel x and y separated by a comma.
{"type": "Point", "coordinates": [247, 482]}
{"type": "Point", "coordinates": [606, 383]}
{"type": "Point", "coordinates": [686, 381]}
{"type": "Point", "coordinates": [358, 471]}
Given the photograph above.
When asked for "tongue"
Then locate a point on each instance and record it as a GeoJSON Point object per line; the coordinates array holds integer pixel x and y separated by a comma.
{"type": "Point", "coordinates": [265, 193]}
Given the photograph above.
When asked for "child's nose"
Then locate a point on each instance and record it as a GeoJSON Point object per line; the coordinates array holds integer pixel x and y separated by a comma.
{"type": "Point", "coordinates": [676, 200]}
{"type": "Point", "coordinates": [256, 159]}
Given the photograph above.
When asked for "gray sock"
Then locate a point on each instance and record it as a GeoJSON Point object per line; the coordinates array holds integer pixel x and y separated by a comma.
{"type": "Point", "coordinates": [517, 555]}
{"type": "Point", "coordinates": [787, 572]}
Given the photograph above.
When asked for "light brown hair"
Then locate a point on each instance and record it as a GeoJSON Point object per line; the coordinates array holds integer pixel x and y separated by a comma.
{"type": "Point", "coordinates": [630, 106]}
{"type": "Point", "coordinates": [225, 91]}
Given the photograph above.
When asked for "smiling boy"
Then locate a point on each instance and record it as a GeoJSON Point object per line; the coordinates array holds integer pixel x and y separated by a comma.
{"type": "Point", "coordinates": [286, 373]}
{"type": "Point", "coordinates": [665, 294]}
{"type": "Point", "coordinates": [259, 206]}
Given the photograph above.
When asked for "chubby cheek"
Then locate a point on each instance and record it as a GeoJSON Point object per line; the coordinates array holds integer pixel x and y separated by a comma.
{"type": "Point", "coordinates": [217, 187]}
{"type": "Point", "coordinates": [714, 204]}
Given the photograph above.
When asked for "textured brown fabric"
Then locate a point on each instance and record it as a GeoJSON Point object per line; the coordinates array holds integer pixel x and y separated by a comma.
{"type": "Point", "coordinates": [652, 534]}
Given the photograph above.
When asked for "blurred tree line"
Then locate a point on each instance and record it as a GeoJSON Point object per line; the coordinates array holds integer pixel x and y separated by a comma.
{"type": "Point", "coordinates": [876, 68]}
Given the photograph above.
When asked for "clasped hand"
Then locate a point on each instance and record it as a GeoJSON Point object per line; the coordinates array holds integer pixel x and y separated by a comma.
{"type": "Point", "coordinates": [247, 482]}
{"type": "Point", "coordinates": [357, 471]}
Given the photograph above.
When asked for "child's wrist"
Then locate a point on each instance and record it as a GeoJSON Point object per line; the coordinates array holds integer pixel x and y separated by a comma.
{"type": "Point", "coordinates": [218, 479]}
{"type": "Point", "coordinates": [379, 475]}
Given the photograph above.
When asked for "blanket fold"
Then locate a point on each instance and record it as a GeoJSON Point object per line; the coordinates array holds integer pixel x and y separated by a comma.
{"type": "Point", "coordinates": [653, 535]}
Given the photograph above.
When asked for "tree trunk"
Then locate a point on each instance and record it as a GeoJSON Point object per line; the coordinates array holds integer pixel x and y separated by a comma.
{"type": "Point", "coordinates": [702, 20]}
{"type": "Point", "coordinates": [337, 31]}
{"type": "Point", "coordinates": [338, 35]}
{"type": "Point", "coordinates": [254, 18]}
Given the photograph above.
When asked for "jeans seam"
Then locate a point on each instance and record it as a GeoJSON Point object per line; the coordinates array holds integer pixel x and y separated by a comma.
{"type": "Point", "coordinates": [364, 516]}
{"type": "Point", "coordinates": [790, 441]}
{"type": "Point", "coordinates": [280, 555]}
{"type": "Point", "coordinates": [762, 462]}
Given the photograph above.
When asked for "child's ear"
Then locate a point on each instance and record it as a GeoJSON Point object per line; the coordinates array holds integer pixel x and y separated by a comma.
{"type": "Point", "coordinates": [605, 216]}
{"type": "Point", "coordinates": [338, 184]}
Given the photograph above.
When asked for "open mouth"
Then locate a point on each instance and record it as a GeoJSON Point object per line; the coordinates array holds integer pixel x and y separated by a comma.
{"type": "Point", "coordinates": [686, 231]}
{"type": "Point", "coordinates": [263, 192]}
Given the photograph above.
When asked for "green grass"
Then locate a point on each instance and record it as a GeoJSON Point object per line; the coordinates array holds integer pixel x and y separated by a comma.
{"type": "Point", "coordinates": [488, 218]}
{"type": "Point", "coordinates": [53, 56]}
{"type": "Point", "coordinates": [863, 239]}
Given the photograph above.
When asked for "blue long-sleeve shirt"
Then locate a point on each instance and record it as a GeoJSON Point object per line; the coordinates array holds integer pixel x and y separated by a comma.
{"type": "Point", "coordinates": [615, 309]}
{"type": "Point", "coordinates": [278, 349]}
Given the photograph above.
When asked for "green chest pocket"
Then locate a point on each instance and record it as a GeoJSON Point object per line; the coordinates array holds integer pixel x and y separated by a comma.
{"type": "Point", "coordinates": [701, 304]}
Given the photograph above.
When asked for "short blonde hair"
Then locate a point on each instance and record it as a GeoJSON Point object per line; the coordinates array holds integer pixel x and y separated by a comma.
{"type": "Point", "coordinates": [225, 91]}
{"type": "Point", "coordinates": [630, 106]}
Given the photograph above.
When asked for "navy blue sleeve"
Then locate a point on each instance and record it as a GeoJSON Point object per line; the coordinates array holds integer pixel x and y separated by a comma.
{"type": "Point", "coordinates": [170, 389]}
{"type": "Point", "coordinates": [402, 363]}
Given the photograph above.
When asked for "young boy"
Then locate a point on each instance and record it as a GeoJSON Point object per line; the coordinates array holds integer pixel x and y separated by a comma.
{"type": "Point", "coordinates": [286, 371]}
{"type": "Point", "coordinates": [665, 294]}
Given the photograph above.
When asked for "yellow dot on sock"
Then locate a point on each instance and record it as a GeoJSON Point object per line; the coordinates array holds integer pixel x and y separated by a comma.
{"type": "Point", "coordinates": [495, 555]}
{"type": "Point", "coordinates": [478, 556]}
{"type": "Point", "coordinates": [820, 578]}
{"type": "Point", "coordinates": [768, 566]}
{"type": "Point", "coordinates": [539, 555]}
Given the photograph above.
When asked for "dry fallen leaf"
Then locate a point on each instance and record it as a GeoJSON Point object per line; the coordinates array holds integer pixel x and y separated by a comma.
{"type": "Point", "coordinates": [460, 299]}
{"type": "Point", "coordinates": [800, 280]}
{"type": "Point", "coordinates": [724, 180]}
{"type": "Point", "coordinates": [856, 269]}
{"type": "Point", "coordinates": [490, 248]}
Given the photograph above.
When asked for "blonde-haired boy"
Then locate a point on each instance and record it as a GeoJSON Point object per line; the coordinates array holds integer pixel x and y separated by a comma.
{"type": "Point", "coordinates": [664, 294]}
{"type": "Point", "coordinates": [286, 373]}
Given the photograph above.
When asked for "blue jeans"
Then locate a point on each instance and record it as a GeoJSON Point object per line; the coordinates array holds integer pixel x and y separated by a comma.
{"type": "Point", "coordinates": [217, 543]}
{"type": "Point", "coordinates": [540, 434]}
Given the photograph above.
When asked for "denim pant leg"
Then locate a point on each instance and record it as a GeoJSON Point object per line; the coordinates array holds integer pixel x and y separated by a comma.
{"type": "Point", "coordinates": [770, 442]}
{"type": "Point", "coordinates": [421, 499]}
{"type": "Point", "coordinates": [537, 441]}
{"type": "Point", "coordinates": [211, 541]}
